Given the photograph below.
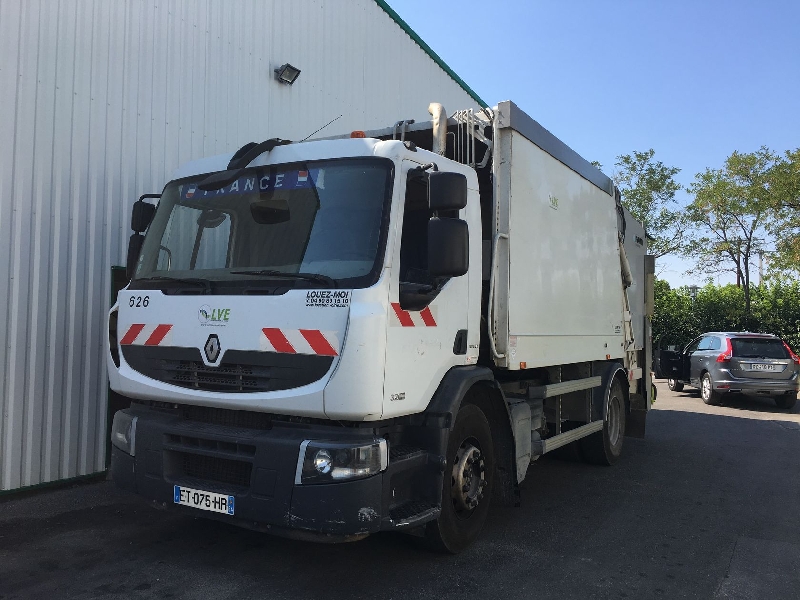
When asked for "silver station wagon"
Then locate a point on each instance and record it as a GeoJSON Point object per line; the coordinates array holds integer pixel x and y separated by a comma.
{"type": "Point", "coordinates": [720, 363]}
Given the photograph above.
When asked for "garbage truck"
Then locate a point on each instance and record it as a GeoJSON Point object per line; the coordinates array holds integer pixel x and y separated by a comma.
{"type": "Point", "coordinates": [380, 331]}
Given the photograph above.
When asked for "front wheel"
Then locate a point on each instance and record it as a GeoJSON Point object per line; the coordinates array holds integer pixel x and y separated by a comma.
{"type": "Point", "coordinates": [674, 385]}
{"type": "Point", "coordinates": [605, 446]}
{"type": "Point", "coordinates": [707, 392]}
{"type": "Point", "coordinates": [467, 485]}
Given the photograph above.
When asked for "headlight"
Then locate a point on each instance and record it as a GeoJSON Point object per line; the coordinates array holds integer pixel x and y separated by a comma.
{"type": "Point", "coordinates": [325, 462]}
{"type": "Point", "coordinates": [123, 432]}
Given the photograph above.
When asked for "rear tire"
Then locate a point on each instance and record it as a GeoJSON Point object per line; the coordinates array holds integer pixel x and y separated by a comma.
{"type": "Point", "coordinates": [787, 401]}
{"type": "Point", "coordinates": [605, 446]}
{"type": "Point", "coordinates": [674, 385]}
{"type": "Point", "coordinates": [467, 483]}
{"type": "Point", "coordinates": [707, 392]}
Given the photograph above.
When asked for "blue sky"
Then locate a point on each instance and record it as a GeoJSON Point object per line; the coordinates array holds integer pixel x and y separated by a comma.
{"type": "Point", "coordinates": [694, 80]}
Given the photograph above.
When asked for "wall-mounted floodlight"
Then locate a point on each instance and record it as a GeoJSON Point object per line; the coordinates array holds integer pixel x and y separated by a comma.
{"type": "Point", "coordinates": [287, 74]}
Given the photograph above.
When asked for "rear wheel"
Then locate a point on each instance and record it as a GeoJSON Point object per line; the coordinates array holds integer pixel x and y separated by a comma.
{"type": "Point", "coordinates": [674, 385]}
{"type": "Point", "coordinates": [605, 446]}
{"type": "Point", "coordinates": [707, 392]}
{"type": "Point", "coordinates": [786, 401]}
{"type": "Point", "coordinates": [467, 485]}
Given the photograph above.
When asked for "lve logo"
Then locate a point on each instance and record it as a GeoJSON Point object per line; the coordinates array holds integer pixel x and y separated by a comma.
{"type": "Point", "coordinates": [206, 314]}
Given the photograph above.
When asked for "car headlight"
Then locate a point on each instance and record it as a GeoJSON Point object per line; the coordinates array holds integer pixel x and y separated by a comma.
{"type": "Point", "coordinates": [326, 462]}
{"type": "Point", "coordinates": [123, 432]}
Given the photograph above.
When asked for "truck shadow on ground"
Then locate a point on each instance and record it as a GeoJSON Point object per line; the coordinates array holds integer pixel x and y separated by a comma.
{"type": "Point", "coordinates": [664, 520]}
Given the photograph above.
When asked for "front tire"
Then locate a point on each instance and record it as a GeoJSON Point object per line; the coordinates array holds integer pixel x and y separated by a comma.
{"type": "Point", "coordinates": [605, 446]}
{"type": "Point", "coordinates": [707, 392]}
{"type": "Point", "coordinates": [467, 483]}
{"type": "Point", "coordinates": [674, 385]}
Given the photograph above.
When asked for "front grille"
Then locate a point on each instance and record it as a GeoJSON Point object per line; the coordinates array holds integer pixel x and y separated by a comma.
{"type": "Point", "coordinates": [226, 417]}
{"type": "Point", "coordinates": [211, 468]}
{"type": "Point", "coordinates": [226, 377]}
{"type": "Point", "coordinates": [240, 371]}
{"type": "Point", "coordinates": [192, 442]}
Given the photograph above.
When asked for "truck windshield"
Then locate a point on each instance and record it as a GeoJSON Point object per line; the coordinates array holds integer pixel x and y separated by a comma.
{"type": "Point", "coordinates": [311, 224]}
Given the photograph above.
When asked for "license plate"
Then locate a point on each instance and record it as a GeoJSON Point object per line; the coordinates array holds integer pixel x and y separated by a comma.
{"type": "Point", "coordinates": [761, 367]}
{"type": "Point", "coordinates": [219, 503]}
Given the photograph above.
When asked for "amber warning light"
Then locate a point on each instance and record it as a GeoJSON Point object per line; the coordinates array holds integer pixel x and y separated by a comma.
{"type": "Point", "coordinates": [357, 134]}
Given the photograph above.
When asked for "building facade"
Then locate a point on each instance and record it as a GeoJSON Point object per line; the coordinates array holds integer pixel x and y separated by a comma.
{"type": "Point", "coordinates": [99, 103]}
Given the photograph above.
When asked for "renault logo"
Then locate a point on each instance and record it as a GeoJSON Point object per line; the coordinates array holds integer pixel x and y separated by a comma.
{"type": "Point", "coordinates": [212, 348]}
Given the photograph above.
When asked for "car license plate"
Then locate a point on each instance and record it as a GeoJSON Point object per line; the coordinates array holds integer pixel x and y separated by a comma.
{"type": "Point", "coordinates": [761, 367]}
{"type": "Point", "coordinates": [219, 503]}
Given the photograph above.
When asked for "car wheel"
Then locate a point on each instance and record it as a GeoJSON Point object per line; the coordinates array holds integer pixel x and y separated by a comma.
{"type": "Point", "coordinates": [787, 401]}
{"type": "Point", "coordinates": [674, 385]}
{"type": "Point", "coordinates": [707, 392]}
{"type": "Point", "coordinates": [467, 485]}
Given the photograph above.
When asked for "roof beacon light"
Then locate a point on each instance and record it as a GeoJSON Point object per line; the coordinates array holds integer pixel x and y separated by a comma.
{"type": "Point", "coordinates": [357, 134]}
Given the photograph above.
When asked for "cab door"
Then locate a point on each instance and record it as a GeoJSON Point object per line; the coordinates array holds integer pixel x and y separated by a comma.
{"type": "Point", "coordinates": [427, 332]}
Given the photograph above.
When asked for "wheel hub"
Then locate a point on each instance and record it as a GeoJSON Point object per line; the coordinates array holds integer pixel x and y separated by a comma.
{"type": "Point", "coordinates": [468, 478]}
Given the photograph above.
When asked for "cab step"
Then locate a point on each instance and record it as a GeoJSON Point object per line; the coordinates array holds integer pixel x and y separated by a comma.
{"type": "Point", "coordinates": [413, 513]}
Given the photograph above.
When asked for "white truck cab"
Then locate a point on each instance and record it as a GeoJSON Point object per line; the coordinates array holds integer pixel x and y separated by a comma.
{"type": "Point", "coordinates": [318, 338]}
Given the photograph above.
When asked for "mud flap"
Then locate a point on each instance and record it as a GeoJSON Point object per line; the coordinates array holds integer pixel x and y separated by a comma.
{"type": "Point", "coordinates": [635, 424]}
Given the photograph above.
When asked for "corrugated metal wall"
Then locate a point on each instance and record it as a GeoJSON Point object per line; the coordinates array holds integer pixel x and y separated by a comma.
{"type": "Point", "coordinates": [99, 102]}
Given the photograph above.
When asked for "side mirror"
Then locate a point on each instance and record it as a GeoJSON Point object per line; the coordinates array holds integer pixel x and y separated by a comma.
{"type": "Point", "coordinates": [447, 191]}
{"type": "Point", "coordinates": [134, 249]}
{"type": "Point", "coordinates": [142, 213]}
{"type": "Point", "coordinates": [448, 247]}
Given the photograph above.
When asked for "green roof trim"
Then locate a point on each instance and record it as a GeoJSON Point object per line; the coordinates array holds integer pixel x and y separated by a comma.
{"type": "Point", "coordinates": [436, 58]}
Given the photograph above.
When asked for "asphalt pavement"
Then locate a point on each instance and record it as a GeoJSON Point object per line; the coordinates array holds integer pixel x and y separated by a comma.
{"type": "Point", "coordinates": [704, 507]}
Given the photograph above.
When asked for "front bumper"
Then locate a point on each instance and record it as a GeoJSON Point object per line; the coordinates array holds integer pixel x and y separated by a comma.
{"type": "Point", "coordinates": [258, 468]}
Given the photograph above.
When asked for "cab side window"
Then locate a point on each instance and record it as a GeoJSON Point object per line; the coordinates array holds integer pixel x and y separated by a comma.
{"type": "Point", "coordinates": [716, 343]}
{"type": "Point", "coordinates": [693, 347]}
{"type": "Point", "coordinates": [414, 239]}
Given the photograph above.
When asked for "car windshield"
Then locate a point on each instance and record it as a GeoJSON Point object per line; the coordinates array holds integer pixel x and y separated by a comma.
{"type": "Point", "coordinates": [758, 348]}
{"type": "Point", "coordinates": [310, 224]}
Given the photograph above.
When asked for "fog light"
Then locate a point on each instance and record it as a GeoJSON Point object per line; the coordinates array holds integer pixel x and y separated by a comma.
{"type": "Point", "coordinates": [123, 432]}
{"type": "Point", "coordinates": [327, 462]}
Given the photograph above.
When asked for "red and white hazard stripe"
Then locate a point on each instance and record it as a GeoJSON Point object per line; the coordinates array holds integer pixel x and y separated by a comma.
{"type": "Point", "coordinates": [299, 341]}
{"type": "Point", "coordinates": [140, 334]}
{"type": "Point", "coordinates": [412, 318]}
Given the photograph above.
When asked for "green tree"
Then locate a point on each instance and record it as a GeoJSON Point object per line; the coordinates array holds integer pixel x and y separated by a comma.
{"type": "Point", "coordinates": [785, 225]}
{"type": "Point", "coordinates": [648, 189]}
{"type": "Point", "coordinates": [728, 216]}
{"type": "Point", "coordinates": [677, 319]}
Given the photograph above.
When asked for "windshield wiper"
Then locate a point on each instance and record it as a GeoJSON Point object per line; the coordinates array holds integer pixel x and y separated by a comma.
{"type": "Point", "coordinates": [285, 275]}
{"type": "Point", "coordinates": [206, 283]}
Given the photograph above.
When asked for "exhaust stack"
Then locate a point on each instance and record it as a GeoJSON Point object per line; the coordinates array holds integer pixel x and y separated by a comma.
{"type": "Point", "coordinates": [439, 127]}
